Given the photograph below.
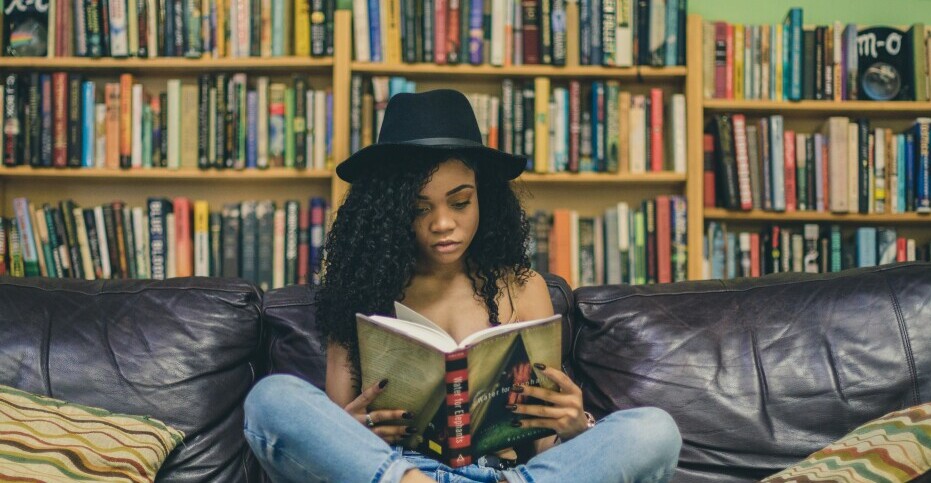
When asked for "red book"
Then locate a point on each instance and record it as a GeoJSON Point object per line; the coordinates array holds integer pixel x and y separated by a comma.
{"type": "Point", "coordinates": [754, 254]}
{"type": "Point", "coordinates": [439, 32]}
{"type": "Point", "coordinates": [126, 120]}
{"type": "Point", "coordinates": [575, 124]}
{"type": "Point", "coordinates": [60, 120]}
{"type": "Point", "coordinates": [656, 129]}
{"type": "Point", "coordinates": [742, 156]}
{"type": "Point", "coordinates": [720, 60]}
{"type": "Point", "coordinates": [184, 251]}
{"type": "Point", "coordinates": [303, 245]}
{"type": "Point", "coordinates": [663, 240]}
{"type": "Point", "coordinates": [708, 140]}
{"type": "Point", "coordinates": [560, 245]}
{"type": "Point", "coordinates": [901, 249]}
{"type": "Point", "coordinates": [789, 155]}
{"type": "Point", "coordinates": [530, 15]}
{"type": "Point", "coordinates": [452, 31]}
{"type": "Point", "coordinates": [729, 63]}
{"type": "Point", "coordinates": [459, 441]}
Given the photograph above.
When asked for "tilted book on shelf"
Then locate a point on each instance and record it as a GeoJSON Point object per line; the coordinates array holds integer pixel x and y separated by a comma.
{"type": "Point", "coordinates": [457, 390]}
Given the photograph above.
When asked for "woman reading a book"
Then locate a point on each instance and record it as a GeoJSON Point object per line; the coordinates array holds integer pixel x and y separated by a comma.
{"type": "Point", "coordinates": [431, 221]}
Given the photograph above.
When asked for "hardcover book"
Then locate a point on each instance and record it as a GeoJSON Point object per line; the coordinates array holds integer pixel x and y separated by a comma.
{"type": "Point", "coordinates": [457, 390]}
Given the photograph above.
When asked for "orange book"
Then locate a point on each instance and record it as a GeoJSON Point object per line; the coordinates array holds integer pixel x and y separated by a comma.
{"type": "Point", "coordinates": [754, 254]}
{"type": "Point", "coordinates": [184, 253]}
{"type": "Point", "coordinates": [112, 97]}
{"type": "Point", "coordinates": [663, 240]}
{"type": "Point", "coordinates": [560, 244]}
{"type": "Point", "coordinates": [126, 120]}
{"type": "Point", "coordinates": [657, 159]}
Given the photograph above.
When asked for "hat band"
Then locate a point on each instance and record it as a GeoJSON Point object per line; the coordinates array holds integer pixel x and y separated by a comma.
{"type": "Point", "coordinates": [443, 142]}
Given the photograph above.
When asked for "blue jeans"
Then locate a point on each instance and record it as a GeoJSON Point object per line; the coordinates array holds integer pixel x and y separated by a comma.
{"type": "Point", "coordinates": [300, 435]}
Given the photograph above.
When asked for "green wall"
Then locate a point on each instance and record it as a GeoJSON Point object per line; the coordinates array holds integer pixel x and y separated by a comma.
{"type": "Point", "coordinates": [869, 12]}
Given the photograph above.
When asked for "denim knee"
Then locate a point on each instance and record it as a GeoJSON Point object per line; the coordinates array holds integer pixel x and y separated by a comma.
{"type": "Point", "coordinates": [659, 434]}
{"type": "Point", "coordinates": [271, 393]}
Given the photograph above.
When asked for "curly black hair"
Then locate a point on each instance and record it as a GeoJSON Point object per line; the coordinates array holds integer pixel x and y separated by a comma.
{"type": "Point", "coordinates": [371, 248]}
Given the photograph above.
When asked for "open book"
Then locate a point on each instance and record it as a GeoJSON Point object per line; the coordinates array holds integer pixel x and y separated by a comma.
{"type": "Point", "coordinates": [457, 392]}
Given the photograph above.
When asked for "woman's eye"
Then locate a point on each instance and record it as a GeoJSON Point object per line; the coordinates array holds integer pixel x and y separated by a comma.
{"type": "Point", "coordinates": [420, 210]}
{"type": "Point", "coordinates": [461, 205]}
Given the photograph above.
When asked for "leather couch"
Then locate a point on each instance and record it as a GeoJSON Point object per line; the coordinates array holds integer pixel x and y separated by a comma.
{"type": "Point", "coordinates": [757, 373]}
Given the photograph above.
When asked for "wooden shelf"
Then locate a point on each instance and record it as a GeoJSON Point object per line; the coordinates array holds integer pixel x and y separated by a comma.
{"type": "Point", "coordinates": [810, 216]}
{"type": "Point", "coordinates": [183, 174]}
{"type": "Point", "coordinates": [660, 178]}
{"type": "Point", "coordinates": [171, 64]}
{"type": "Point", "coordinates": [583, 71]}
{"type": "Point", "coordinates": [873, 108]}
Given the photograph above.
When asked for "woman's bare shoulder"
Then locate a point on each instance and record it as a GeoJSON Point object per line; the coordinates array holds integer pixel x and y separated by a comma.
{"type": "Point", "coordinates": [533, 298]}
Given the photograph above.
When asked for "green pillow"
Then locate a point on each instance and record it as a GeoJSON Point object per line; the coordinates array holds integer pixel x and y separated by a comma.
{"type": "Point", "coordinates": [895, 447]}
{"type": "Point", "coordinates": [44, 439]}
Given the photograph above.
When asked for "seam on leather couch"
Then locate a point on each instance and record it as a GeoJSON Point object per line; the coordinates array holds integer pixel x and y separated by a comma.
{"type": "Point", "coordinates": [906, 342]}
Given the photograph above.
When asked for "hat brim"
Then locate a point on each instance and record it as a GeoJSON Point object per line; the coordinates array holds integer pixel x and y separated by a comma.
{"type": "Point", "coordinates": [507, 166]}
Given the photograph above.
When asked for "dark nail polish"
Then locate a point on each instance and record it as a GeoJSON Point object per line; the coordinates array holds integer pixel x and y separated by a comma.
{"type": "Point", "coordinates": [515, 423]}
{"type": "Point", "coordinates": [382, 383]}
{"type": "Point", "coordinates": [517, 389]}
{"type": "Point", "coordinates": [510, 407]}
{"type": "Point", "coordinates": [407, 416]}
{"type": "Point", "coordinates": [542, 367]}
{"type": "Point", "coordinates": [411, 430]}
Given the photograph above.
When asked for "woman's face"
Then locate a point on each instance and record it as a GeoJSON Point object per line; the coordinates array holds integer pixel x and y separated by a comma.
{"type": "Point", "coordinates": [446, 214]}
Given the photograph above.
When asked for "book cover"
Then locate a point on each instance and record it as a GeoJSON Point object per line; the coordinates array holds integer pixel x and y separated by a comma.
{"type": "Point", "coordinates": [457, 391]}
{"type": "Point", "coordinates": [25, 28]}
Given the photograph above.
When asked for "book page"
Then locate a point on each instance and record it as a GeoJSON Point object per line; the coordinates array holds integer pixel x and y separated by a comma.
{"type": "Point", "coordinates": [432, 336]}
{"type": "Point", "coordinates": [490, 332]}
{"type": "Point", "coordinates": [498, 363]}
{"type": "Point", "coordinates": [415, 371]}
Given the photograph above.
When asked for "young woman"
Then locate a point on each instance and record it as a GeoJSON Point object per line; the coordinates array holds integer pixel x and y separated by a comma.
{"type": "Point", "coordinates": [430, 220]}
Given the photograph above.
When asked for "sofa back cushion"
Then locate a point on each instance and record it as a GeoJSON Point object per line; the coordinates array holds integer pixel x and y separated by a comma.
{"type": "Point", "coordinates": [759, 373]}
{"type": "Point", "coordinates": [182, 351]}
{"type": "Point", "coordinates": [296, 346]}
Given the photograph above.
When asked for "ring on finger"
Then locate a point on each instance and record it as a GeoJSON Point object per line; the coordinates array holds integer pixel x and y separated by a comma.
{"type": "Point", "coordinates": [368, 420]}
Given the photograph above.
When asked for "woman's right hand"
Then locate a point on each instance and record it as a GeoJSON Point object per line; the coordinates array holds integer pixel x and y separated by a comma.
{"type": "Point", "coordinates": [391, 432]}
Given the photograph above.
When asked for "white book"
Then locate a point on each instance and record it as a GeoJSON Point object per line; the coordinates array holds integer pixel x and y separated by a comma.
{"type": "Point", "coordinates": [561, 141]}
{"type": "Point", "coordinates": [261, 135]}
{"type": "Point", "coordinates": [910, 250]}
{"type": "Point", "coordinates": [174, 123]}
{"type": "Point", "coordinates": [309, 98]}
{"type": "Point", "coordinates": [171, 247]}
{"type": "Point", "coordinates": [498, 17]}
{"type": "Point", "coordinates": [798, 250]}
{"type": "Point", "coordinates": [638, 155]}
{"type": "Point", "coordinates": [81, 229]}
{"type": "Point", "coordinates": [679, 130]}
{"type": "Point", "coordinates": [103, 243]}
{"type": "Point", "coordinates": [319, 129]}
{"type": "Point", "coordinates": [278, 252]}
{"type": "Point", "coordinates": [657, 29]}
{"type": "Point", "coordinates": [360, 26]}
{"type": "Point", "coordinates": [136, 147]}
{"type": "Point", "coordinates": [623, 34]}
{"type": "Point", "coordinates": [139, 235]}
{"type": "Point", "coordinates": [119, 39]}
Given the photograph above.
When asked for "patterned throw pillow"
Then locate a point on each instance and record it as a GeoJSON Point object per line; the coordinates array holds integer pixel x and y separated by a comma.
{"type": "Point", "coordinates": [895, 447]}
{"type": "Point", "coordinates": [47, 440]}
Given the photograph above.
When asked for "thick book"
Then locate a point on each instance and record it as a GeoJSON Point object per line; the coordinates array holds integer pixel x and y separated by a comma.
{"type": "Point", "coordinates": [457, 390]}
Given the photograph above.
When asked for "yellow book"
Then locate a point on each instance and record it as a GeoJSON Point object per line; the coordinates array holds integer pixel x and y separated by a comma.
{"type": "Point", "coordinates": [778, 60]}
{"type": "Point", "coordinates": [201, 239]}
{"type": "Point", "coordinates": [302, 28]}
{"type": "Point", "coordinates": [221, 29]}
{"type": "Point", "coordinates": [739, 61]}
{"type": "Point", "coordinates": [393, 31]}
{"type": "Point", "coordinates": [541, 126]}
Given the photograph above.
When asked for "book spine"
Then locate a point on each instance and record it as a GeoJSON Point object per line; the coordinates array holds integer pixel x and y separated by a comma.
{"type": "Point", "coordinates": [248, 259]}
{"type": "Point", "coordinates": [69, 225]}
{"type": "Point", "coordinates": [375, 46]}
{"type": "Point", "coordinates": [93, 243]}
{"type": "Point", "coordinates": [47, 134]}
{"type": "Point", "coordinates": [203, 121]}
{"type": "Point", "coordinates": [60, 119]}
{"type": "Point", "coordinates": [119, 40]}
{"type": "Point", "coordinates": [74, 121]}
{"type": "Point", "coordinates": [157, 248]}
{"type": "Point", "coordinates": [317, 215]}
{"type": "Point", "coordinates": [11, 125]}
{"type": "Point", "coordinates": [300, 123]}
{"type": "Point", "coordinates": [458, 431]}
{"type": "Point", "coordinates": [292, 209]}
{"type": "Point", "coordinates": [303, 246]}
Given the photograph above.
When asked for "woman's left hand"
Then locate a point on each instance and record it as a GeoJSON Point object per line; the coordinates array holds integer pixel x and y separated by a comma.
{"type": "Point", "coordinates": [564, 414]}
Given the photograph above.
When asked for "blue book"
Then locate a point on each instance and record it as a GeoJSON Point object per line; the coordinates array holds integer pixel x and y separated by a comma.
{"type": "Point", "coordinates": [252, 113]}
{"type": "Point", "coordinates": [922, 168]}
{"type": "Point", "coordinates": [476, 17]}
{"type": "Point", "coordinates": [329, 126]}
{"type": "Point", "coordinates": [598, 122]}
{"type": "Point", "coordinates": [672, 33]}
{"type": "Point", "coordinates": [396, 85]}
{"type": "Point", "coordinates": [585, 32]}
{"type": "Point", "coordinates": [900, 173]}
{"type": "Point", "coordinates": [375, 31]}
{"type": "Point", "coordinates": [88, 123]}
{"type": "Point", "coordinates": [733, 256]}
{"type": "Point", "coordinates": [866, 246]}
{"type": "Point", "coordinates": [777, 163]}
{"type": "Point", "coordinates": [909, 171]}
{"type": "Point", "coordinates": [278, 27]}
{"type": "Point", "coordinates": [793, 72]}
{"type": "Point", "coordinates": [596, 30]}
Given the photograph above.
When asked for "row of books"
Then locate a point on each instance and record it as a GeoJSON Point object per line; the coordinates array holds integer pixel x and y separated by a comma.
{"type": "Point", "coordinates": [62, 120]}
{"type": "Point", "coordinates": [516, 32]}
{"type": "Point", "coordinates": [168, 28]}
{"type": "Point", "coordinates": [270, 245]}
{"type": "Point", "coordinates": [575, 127]}
{"type": "Point", "coordinates": [634, 245]}
{"type": "Point", "coordinates": [847, 167]}
{"type": "Point", "coordinates": [836, 62]}
{"type": "Point", "coordinates": [810, 248]}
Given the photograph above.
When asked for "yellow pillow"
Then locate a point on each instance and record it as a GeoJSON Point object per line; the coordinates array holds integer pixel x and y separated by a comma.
{"type": "Point", "coordinates": [44, 439]}
{"type": "Point", "coordinates": [895, 447]}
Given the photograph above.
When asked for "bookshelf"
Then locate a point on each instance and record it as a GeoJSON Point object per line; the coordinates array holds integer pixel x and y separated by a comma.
{"type": "Point", "coordinates": [916, 219]}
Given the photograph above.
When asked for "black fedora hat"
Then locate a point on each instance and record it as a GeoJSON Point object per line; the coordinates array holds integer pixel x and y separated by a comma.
{"type": "Point", "coordinates": [429, 123]}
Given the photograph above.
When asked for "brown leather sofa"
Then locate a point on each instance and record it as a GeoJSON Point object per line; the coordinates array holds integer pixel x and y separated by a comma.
{"type": "Point", "coordinates": [757, 373]}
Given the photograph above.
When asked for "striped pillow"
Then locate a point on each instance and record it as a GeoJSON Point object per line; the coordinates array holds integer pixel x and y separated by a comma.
{"type": "Point", "coordinates": [47, 440]}
{"type": "Point", "coordinates": [895, 447]}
